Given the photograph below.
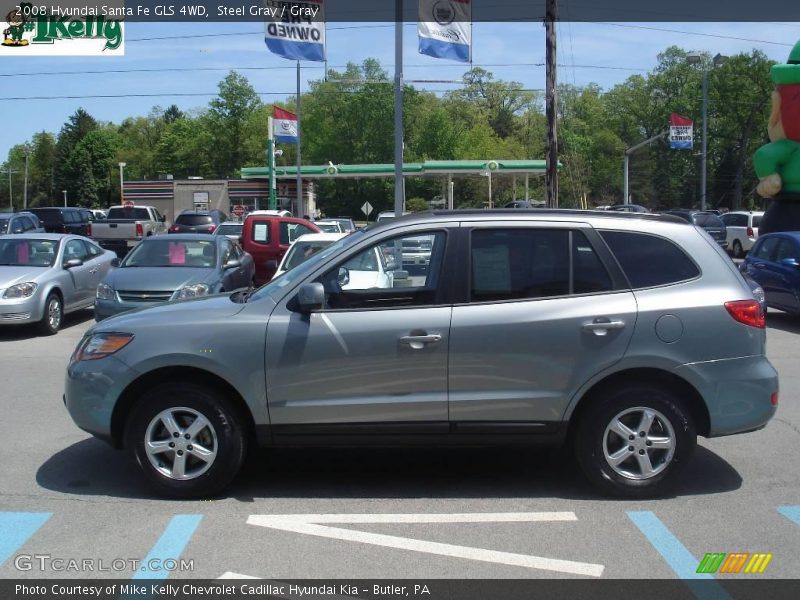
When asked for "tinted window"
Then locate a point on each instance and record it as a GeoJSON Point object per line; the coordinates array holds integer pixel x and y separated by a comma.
{"type": "Point", "coordinates": [588, 273]}
{"type": "Point", "coordinates": [708, 220]}
{"type": "Point", "coordinates": [75, 249]}
{"type": "Point", "coordinates": [49, 215]}
{"type": "Point", "coordinates": [766, 248]}
{"type": "Point", "coordinates": [681, 215]}
{"type": "Point", "coordinates": [786, 249]}
{"type": "Point", "coordinates": [27, 224]}
{"type": "Point", "coordinates": [194, 220]}
{"type": "Point", "coordinates": [70, 217]}
{"type": "Point", "coordinates": [3, 225]}
{"type": "Point", "coordinates": [138, 214]}
{"type": "Point", "coordinates": [508, 264]}
{"type": "Point", "coordinates": [734, 220]}
{"type": "Point", "coordinates": [229, 230]}
{"type": "Point", "coordinates": [649, 260]}
{"type": "Point", "coordinates": [756, 221]}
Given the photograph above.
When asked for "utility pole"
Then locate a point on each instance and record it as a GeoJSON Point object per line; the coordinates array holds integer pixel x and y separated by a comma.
{"type": "Point", "coordinates": [398, 109]}
{"type": "Point", "coordinates": [551, 14]}
{"type": "Point", "coordinates": [273, 200]}
{"type": "Point", "coordinates": [25, 189]}
{"type": "Point", "coordinates": [301, 206]}
{"type": "Point", "coordinates": [10, 171]}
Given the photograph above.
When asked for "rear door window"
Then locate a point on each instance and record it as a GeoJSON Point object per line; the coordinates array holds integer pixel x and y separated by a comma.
{"type": "Point", "coordinates": [649, 260]}
{"type": "Point", "coordinates": [291, 231]}
{"type": "Point", "coordinates": [766, 248]}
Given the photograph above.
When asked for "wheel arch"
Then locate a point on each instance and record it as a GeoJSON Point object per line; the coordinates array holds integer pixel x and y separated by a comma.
{"type": "Point", "coordinates": [148, 380]}
{"type": "Point", "coordinates": [692, 399]}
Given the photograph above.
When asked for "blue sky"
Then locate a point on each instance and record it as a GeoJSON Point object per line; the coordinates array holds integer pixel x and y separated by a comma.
{"type": "Point", "coordinates": [608, 52]}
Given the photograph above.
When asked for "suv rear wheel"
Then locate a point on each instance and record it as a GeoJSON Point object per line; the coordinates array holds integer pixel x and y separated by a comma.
{"type": "Point", "coordinates": [634, 440]}
{"type": "Point", "coordinates": [186, 439]}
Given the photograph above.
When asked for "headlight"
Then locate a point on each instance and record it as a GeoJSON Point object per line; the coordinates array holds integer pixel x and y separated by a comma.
{"type": "Point", "coordinates": [21, 290]}
{"type": "Point", "coordinates": [100, 345]}
{"type": "Point", "coordinates": [192, 291]}
{"type": "Point", "coordinates": [105, 292]}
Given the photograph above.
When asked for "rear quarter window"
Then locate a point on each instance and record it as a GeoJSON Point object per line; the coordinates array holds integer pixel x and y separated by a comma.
{"type": "Point", "coordinates": [649, 260]}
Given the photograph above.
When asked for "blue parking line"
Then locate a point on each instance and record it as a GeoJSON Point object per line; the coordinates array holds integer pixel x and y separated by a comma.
{"type": "Point", "coordinates": [791, 512]}
{"type": "Point", "coordinates": [679, 559]}
{"type": "Point", "coordinates": [168, 547]}
{"type": "Point", "coordinates": [16, 528]}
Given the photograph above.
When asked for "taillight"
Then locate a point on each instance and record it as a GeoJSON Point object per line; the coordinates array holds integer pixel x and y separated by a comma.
{"type": "Point", "coordinates": [139, 230]}
{"type": "Point", "coordinates": [174, 228]}
{"type": "Point", "coordinates": [748, 312]}
{"type": "Point", "coordinates": [88, 229]}
{"type": "Point", "coordinates": [773, 399]}
{"type": "Point", "coordinates": [750, 232]}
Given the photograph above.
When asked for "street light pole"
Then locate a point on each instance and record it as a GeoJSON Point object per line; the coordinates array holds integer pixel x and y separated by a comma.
{"type": "Point", "coordinates": [25, 189]}
{"type": "Point", "coordinates": [704, 150]}
{"type": "Point", "coordinates": [122, 165]}
{"type": "Point", "coordinates": [65, 197]}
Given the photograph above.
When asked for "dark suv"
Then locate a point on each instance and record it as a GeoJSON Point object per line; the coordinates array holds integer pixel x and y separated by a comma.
{"type": "Point", "coordinates": [64, 220]}
{"type": "Point", "coordinates": [190, 221]}
{"type": "Point", "coordinates": [705, 219]}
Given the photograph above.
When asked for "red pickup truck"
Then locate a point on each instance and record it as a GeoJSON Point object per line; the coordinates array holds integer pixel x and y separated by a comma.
{"type": "Point", "coordinates": [267, 236]}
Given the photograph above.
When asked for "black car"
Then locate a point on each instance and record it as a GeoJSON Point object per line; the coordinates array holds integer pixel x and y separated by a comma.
{"type": "Point", "coordinates": [64, 219]}
{"type": "Point", "coordinates": [706, 219]}
{"type": "Point", "coordinates": [192, 221]}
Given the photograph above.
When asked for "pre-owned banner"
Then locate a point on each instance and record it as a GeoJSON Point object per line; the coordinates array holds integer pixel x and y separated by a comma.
{"type": "Point", "coordinates": [297, 29]}
{"type": "Point", "coordinates": [445, 29]}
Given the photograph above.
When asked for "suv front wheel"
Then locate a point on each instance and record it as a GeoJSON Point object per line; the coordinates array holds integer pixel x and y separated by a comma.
{"type": "Point", "coordinates": [634, 440]}
{"type": "Point", "coordinates": [186, 439]}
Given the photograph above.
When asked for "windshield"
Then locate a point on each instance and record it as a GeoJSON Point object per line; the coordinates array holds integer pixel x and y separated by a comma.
{"type": "Point", "coordinates": [172, 253]}
{"type": "Point", "coordinates": [28, 253]}
{"type": "Point", "coordinates": [300, 252]}
{"type": "Point", "coordinates": [193, 220]}
{"type": "Point", "coordinates": [329, 227]}
{"type": "Point", "coordinates": [291, 277]}
{"type": "Point", "coordinates": [229, 230]}
{"type": "Point", "coordinates": [3, 225]}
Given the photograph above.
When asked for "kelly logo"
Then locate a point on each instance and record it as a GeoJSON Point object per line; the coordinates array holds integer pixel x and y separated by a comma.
{"type": "Point", "coordinates": [734, 563]}
{"type": "Point", "coordinates": [31, 31]}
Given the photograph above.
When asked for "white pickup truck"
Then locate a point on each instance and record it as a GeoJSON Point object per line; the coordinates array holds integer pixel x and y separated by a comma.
{"type": "Point", "coordinates": [126, 226]}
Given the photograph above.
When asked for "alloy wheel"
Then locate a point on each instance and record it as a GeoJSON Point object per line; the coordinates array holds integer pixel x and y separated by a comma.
{"type": "Point", "coordinates": [181, 443]}
{"type": "Point", "coordinates": [639, 443]}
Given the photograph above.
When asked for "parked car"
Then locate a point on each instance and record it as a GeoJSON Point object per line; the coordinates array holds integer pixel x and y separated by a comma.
{"type": "Point", "coordinates": [329, 226]}
{"type": "Point", "coordinates": [177, 267]}
{"type": "Point", "coordinates": [386, 215]}
{"type": "Point", "coordinates": [634, 208]}
{"type": "Point", "coordinates": [232, 229]}
{"type": "Point", "coordinates": [624, 335]}
{"type": "Point", "coordinates": [708, 220]}
{"type": "Point", "coordinates": [192, 221]}
{"type": "Point", "coordinates": [267, 237]}
{"type": "Point", "coordinates": [774, 263]}
{"type": "Point", "coordinates": [19, 222]}
{"type": "Point", "coordinates": [63, 220]}
{"type": "Point", "coordinates": [367, 271]}
{"type": "Point", "coordinates": [346, 222]}
{"type": "Point", "coordinates": [44, 276]}
{"type": "Point", "coordinates": [742, 230]}
{"type": "Point", "coordinates": [126, 226]}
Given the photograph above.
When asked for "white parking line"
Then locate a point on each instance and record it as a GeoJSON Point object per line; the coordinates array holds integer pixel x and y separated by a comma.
{"type": "Point", "coordinates": [309, 525]}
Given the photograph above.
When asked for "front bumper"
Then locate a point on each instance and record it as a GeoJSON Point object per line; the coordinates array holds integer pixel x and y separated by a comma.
{"type": "Point", "coordinates": [20, 311]}
{"type": "Point", "coordinates": [737, 392]}
{"type": "Point", "coordinates": [91, 391]}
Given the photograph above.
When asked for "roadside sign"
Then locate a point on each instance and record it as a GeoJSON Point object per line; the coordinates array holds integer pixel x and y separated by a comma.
{"type": "Point", "coordinates": [238, 210]}
{"type": "Point", "coordinates": [128, 204]}
{"type": "Point", "coordinates": [366, 208]}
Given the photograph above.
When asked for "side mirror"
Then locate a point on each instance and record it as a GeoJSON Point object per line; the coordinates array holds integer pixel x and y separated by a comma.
{"type": "Point", "coordinates": [233, 264]}
{"type": "Point", "coordinates": [343, 276]}
{"type": "Point", "coordinates": [115, 262]}
{"type": "Point", "coordinates": [73, 262]}
{"type": "Point", "coordinates": [311, 297]}
{"type": "Point", "coordinates": [790, 262]}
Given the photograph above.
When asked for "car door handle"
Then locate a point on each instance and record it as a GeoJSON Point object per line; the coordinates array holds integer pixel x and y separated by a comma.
{"type": "Point", "coordinates": [417, 342]}
{"type": "Point", "coordinates": [601, 327]}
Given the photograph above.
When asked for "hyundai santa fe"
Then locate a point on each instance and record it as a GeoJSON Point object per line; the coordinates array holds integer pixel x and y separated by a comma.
{"type": "Point", "coordinates": [624, 336]}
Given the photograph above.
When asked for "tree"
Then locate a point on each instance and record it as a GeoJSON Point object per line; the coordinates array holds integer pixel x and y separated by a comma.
{"type": "Point", "coordinates": [172, 114]}
{"type": "Point", "coordinates": [77, 126]}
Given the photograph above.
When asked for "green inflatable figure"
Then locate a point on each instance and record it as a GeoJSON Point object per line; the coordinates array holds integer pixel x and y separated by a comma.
{"type": "Point", "coordinates": [777, 164]}
{"type": "Point", "coordinates": [12, 36]}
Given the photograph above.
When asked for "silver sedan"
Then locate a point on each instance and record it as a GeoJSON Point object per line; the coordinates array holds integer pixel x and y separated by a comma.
{"type": "Point", "coordinates": [43, 276]}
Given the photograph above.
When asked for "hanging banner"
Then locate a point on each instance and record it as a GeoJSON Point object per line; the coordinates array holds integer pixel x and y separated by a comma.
{"type": "Point", "coordinates": [297, 30]}
{"type": "Point", "coordinates": [681, 132]}
{"type": "Point", "coordinates": [284, 126]}
{"type": "Point", "coordinates": [445, 29]}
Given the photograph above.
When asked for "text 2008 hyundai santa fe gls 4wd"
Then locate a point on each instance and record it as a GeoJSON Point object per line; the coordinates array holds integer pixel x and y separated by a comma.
{"type": "Point", "coordinates": [623, 335]}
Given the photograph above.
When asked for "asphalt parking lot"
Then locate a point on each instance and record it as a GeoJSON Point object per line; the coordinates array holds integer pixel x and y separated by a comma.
{"type": "Point", "coordinates": [384, 514]}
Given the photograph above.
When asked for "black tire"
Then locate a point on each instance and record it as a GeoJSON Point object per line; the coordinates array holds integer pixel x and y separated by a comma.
{"type": "Point", "coordinates": [738, 251]}
{"type": "Point", "coordinates": [593, 441]}
{"type": "Point", "coordinates": [225, 434]}
{"type": "Point", "coordinates": [53, 315]}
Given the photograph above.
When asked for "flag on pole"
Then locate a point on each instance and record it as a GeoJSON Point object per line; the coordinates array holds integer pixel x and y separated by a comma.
{"type": "Point", "coordinates": [297, 31]}
{"type": "Point", "coordinates": [284, 126]}
{"type": "Point", "coordinates": [445, 29]}
{"type": "Point", "coordinates": [681, 132]}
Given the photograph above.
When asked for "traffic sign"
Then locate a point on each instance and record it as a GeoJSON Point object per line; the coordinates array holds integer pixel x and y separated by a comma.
{"type": "Point", "coordinates": [128, 204]}
{"type": "Point", "coordinates": [238, 210]}
{"type": "Point", "coordinates": [366, 208]}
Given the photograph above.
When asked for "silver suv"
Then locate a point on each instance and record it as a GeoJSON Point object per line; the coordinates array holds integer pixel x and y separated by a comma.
{"type": "Point", "coordinates": [623, 335]}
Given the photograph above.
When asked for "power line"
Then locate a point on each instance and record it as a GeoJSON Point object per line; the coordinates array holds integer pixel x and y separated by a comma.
{"type": "Point", "coordinates": [712, 35]}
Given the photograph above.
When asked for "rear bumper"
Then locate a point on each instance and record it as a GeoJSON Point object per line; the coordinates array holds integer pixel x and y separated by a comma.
{"type": "Point", "coordinates": [737, 392]}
